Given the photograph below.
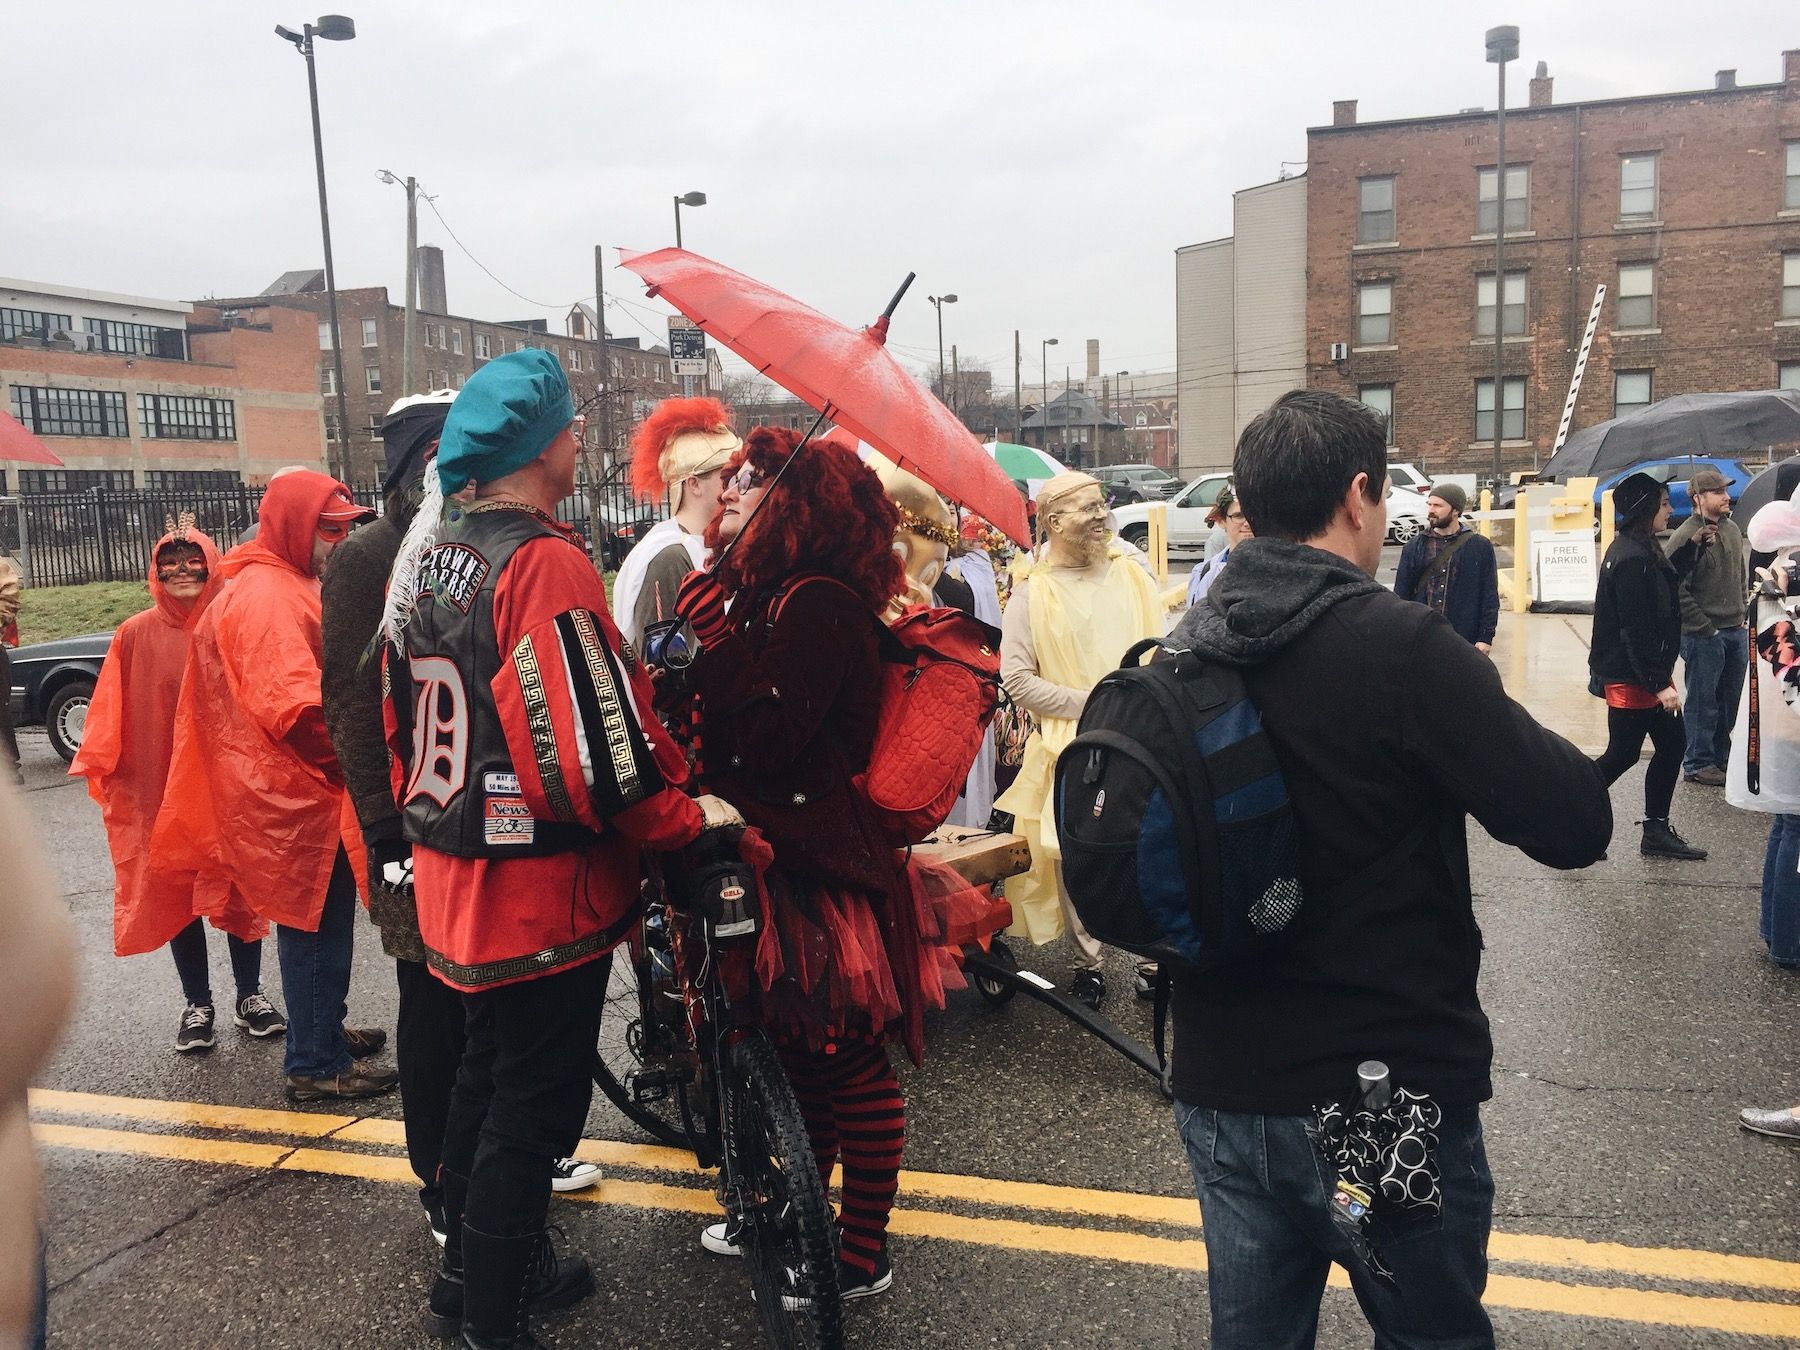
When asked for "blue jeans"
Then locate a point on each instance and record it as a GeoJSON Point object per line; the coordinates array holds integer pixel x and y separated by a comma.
{"type": "Point", "coordinates": [1714, 667]}
{"type": "Point", "coordinates": [1264, 1197]}
{"type": "Point", "coordinates": [1780, 926]}
{"type": "Point", "coordinates": [315, 979]}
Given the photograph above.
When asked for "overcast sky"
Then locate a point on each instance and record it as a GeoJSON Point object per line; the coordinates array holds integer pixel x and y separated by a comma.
{"type": "Point", "coordinates": [1041, 161]}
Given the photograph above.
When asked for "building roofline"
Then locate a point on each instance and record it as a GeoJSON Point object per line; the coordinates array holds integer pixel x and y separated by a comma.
{"type": "Point", "coordinates": [1206, 243]}
{"type": "Point", "coordinates": [1273, 182]}
{"type": "Point", "coordinates": [1487, 114]}
{"type": "Point", "coordinates": [97, 297]}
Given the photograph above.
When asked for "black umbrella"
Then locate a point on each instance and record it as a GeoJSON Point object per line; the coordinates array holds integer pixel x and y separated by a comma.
{"type": "Point", "coordinates": [1774, 484]}
{"type": "Point", "coordinates": [1688, 424]}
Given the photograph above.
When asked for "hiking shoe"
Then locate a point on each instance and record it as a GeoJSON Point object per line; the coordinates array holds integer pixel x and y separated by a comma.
{"type": "Point", "coordinates": [258, 1016]}
{"type": "Point", "coordinates": [362, 1042]}
{"type": "Point", "coordinates": [361, 1079]}
{"type": "Point", "coordinates": [196, 1029]}
{"type": "Point", "coordinates": [1661, 841]}
{"type": "Point", "coordinates": [1712, 776]}
{"type": "Point", "coordinates": [1782, 1123]}
{"type": "Point", "coordinates": [1089, 987]}
{"type": "Point", "coordinates": [1143, 982]}
{"type": "Point", "coordinates": [724, 1238]}
{"type": "Point", "coordinates": [567, 1174]}
{"type": "Point", "coordinates": [853, 1282]}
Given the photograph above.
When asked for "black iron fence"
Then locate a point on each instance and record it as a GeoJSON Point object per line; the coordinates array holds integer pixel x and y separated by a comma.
{"type": "Point", "coordinates": [106, 534]}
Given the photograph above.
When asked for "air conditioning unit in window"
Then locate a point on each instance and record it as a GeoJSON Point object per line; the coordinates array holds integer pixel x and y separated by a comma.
{"type": "Point", "coordinates": [1340, 351]}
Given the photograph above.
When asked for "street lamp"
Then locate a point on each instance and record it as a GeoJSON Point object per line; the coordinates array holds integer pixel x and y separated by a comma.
{"type": "Point", "coordinates": [1044, 354]}
{"type": "Point", "coordinates": [686, 199]}
{"type": "Point", "coordinates": [938, 302]}
{"type": "Point", "coordinates": [333, 28]}
{"type": "Point", "coordinates": [1502, 46]}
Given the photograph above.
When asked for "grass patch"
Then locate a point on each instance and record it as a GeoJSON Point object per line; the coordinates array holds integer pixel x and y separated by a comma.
{"type": "Point", "coordinates": [50, 612]}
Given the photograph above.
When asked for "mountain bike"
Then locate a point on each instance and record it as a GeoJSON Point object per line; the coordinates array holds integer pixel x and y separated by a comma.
{"type": "Point", "coordinates": [679, 1064]}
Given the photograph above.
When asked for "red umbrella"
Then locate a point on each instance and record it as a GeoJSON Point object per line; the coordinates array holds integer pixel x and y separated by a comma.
{"type": "Point", "coordinates": [16, 443]}
{"type": "Point", "coordinates": [847, 374]}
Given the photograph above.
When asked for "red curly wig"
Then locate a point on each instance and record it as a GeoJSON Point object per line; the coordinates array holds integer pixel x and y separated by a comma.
{"type": "Point", "coordinates": [673, 417]}
{"type": "Point", "coordinates": [828, 514]}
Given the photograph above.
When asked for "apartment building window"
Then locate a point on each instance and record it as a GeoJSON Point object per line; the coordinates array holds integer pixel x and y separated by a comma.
{"type": "Point", "coordinates": [35, 482]}
{"type": "Point", "coordinates": [1631, 391]}
{"type": "Point", "coordinates": [1787, 375]}
{"type": "Point", "coordinates": [324, 337]}
{"type": "Point", "coordinates": [328, 380]}
{"type": "Point", "coordinates": [430, 337]}
{"type": "Point", "coordinates": [1637, 295]}
{"type": "Point", "coordinates": [1375, 211]}
{"type": "Point", "coordinates": [456, 379]}
{"type": "Point", "coordinates": [331, 427]}
{"type": "Point", "coordinates": [189, 480]}
{"type": "Point", "coordinates": [1790, 183]}
{"type": "Point", "coordinates": [183, 418]}
{"type": "Point", "coordinates": [137, 339]}
{"type": "Point", "coordinates": [373, 430]}
{"type": "Point", "coordinates": [483, 347]}
{"type": "Point", "coordinates": [456, 341]}
{"type": "Point", "coordinates": [1380, 397]}
{"type": "Point", "coordinates": [1637, 187]}
{"type": "Point", "coordinates": [1512, 412]}
{"type": "Point", "coordinates": [372, 374]}
{"type": "Point", "coordinates": [1790, 285]}
{"type": "Point", "coordinates": [1487, 209]}
{"type": "Point", "coordinates": [371, 333]}
{"type": "Point", "coordinates": [1512, 309]}
{"type": "Point", "coordinates": [49, 411]}
{"type": "Point", "coordinates": [1374, 313]}
{"type": "Point", "coordinates": [18, 323]}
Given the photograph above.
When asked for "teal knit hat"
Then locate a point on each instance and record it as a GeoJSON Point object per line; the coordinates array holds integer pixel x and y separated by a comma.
{"type": "Point", "coordinates": [505, 417]}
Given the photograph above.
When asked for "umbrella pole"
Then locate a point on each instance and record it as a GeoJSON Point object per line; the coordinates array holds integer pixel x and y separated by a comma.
{"type": "Point", "coordinates": [810, 432]}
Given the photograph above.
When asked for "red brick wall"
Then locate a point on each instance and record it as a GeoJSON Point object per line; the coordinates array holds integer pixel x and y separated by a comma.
{"type": "Point", "coordinates": [1717, 252]}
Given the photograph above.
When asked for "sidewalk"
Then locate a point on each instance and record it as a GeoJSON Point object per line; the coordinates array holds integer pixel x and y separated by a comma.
{"type": "Point", "coordinates": [1543, 660]}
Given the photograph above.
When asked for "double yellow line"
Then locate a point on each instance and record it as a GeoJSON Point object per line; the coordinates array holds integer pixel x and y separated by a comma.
{"type": "Point", "coordinates": [923, 1213]}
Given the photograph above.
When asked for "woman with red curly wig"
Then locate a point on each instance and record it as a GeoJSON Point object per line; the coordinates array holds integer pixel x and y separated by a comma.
{"type": "Point", "coordinates": [788, 688]}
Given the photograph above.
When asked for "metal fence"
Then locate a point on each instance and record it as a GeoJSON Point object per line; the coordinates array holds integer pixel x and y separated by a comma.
{"type": "Point", "coordinates": [106, 534]}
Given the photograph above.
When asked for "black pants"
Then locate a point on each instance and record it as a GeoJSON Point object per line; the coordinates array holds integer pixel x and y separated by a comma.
{"type": "Point", "coordinates": [1625, 732]}
{"type": "Point", "coordinates": [188, 947]}
{"type": "Point", "coordinates": [522, 1093]}
{"type": "Point", "coordinates": [428, 1047]}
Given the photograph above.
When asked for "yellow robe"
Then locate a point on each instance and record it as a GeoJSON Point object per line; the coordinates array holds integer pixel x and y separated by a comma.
{"type": "Point", "coordinates": [1080, 629]}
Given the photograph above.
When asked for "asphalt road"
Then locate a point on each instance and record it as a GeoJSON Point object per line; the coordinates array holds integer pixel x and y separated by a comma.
{"type": "Point", "coordinates": [1633, 1014]}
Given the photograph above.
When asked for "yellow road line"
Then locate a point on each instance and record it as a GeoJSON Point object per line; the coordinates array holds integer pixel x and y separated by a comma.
{"type": "Point", "coordinates": [1668, 1263]}
{"type": "Point", "coordinates": [1645, 1307]}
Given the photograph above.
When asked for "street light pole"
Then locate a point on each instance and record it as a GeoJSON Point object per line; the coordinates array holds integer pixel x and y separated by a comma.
{"type": "Point", "coordinates": [1502, 46]}
{"type": "Point", "coordinates": [938, 302]}
{"type": "Point", "coordinates": [1044, 412]}
{"type": "Point", "coordinates": [333, 28]}
{"type": "Point", "coordinates": [686, 199]}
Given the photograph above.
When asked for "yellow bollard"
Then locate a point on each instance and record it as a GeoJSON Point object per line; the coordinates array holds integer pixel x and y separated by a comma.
{"type": "Point", "coordinates": [1485, 527]}
{"type": "Point", "coordinates": [1608, 523]}
{"type": "Point", "coordinates": [1158, 520]}
{"type": "Point", "coordinates": [1521, 568]}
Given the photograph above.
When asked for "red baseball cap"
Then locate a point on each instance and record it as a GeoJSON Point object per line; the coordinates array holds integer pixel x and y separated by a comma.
{"type": "Point", "coordinates": [341, 506]}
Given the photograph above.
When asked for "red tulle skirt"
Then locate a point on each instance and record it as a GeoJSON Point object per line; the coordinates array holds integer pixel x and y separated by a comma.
{"type": "Point", "coordinates": [836, 963]}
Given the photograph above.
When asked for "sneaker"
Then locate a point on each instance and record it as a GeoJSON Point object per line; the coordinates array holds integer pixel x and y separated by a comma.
{"type": "Point", "coordinates": [434, 1218]}
{"type": "Point", "coordinates": [196, 1030]}
{"type": "Point", "coordinates": [1143, 982]}
{"type": "Point", "coordinates": [362, 1042]}
{"type": "Point", "coordinates": [1711, 776]}
{"type": "Point", "coordinates": [853, 1282]}
{"type": "Point", "coordinates": [258, 1016]}
{"type": "Point", "coordinates": [566, 1174]}
{"type": "Point", "coordinates": [361, 1079]}
{"type": "Point", "coordinates": [1782, 1123]}
{"type": "Point", "coordinates": [724, 1238]}
{"type": "Point", "coordinates": [1089, 987]}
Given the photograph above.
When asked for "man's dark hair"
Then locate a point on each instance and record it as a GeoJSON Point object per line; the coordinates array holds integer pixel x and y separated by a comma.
{"type": "Point", "coordinates": [1297, 459]}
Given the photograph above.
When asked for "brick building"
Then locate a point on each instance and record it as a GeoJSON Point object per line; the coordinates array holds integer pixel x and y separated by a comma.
{"type": "Point", "coordinates": [161, 394]}
{"type": "Point", "coordinates": [1685, 206]}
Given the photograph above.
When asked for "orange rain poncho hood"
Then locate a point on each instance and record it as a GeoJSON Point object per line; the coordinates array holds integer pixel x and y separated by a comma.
{"type": "Point", "coordinates": [125, 754]}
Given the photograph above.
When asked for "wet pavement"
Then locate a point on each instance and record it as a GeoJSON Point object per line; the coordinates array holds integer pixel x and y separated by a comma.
{"type": "Point", "coordinates": [1047, 1201]}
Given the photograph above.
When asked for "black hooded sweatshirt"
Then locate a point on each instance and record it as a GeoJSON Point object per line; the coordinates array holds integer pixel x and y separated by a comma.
{"type": "Point", "coordinates": [1381, 717]}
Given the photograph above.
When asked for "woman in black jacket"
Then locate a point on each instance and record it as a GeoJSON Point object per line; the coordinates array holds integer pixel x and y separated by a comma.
{"type": "Point", "coordinates": [1637, 636]}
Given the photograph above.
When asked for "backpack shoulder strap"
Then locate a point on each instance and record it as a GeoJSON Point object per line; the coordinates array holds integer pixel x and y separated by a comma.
{"type": "Point", "coordinates": [1439, 563]}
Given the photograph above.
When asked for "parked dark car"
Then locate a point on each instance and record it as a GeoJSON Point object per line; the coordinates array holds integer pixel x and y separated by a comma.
{"type": "Point", "coordinates": [1127, 483]}
{"type": "Point", "coordinates": [623, 528]}
{"type": "Point", "coordinates": [52, 683]}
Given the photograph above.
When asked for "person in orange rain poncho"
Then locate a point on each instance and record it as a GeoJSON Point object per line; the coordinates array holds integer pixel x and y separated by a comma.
{"type": "Point", "coordinates": [124, 756]}
{"type": "Point", "coordinates": [255, 797]}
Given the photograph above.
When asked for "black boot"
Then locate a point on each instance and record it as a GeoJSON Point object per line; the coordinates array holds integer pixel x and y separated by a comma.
{"type": "Point", "coordinates": [1661, 841]}
{"type": "Point", "coordinates": [512, 1273]}
{"type": "Point", "coordinates": [555, 1281]}
{"type": "Point", "coordinates": [444, 1310]}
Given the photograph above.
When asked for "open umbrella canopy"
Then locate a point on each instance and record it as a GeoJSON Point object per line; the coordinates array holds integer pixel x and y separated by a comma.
{"type": "Point", "coordinates": [845, 373]}
{"type": "Point", "coordinates": [1778, 482]}
{"type": "Point", "coordinates": [20, 445]}
{"type": "Point", "coordinates": [1025, 464]}
{"type": "Point", "coordinates": [1688, 424]}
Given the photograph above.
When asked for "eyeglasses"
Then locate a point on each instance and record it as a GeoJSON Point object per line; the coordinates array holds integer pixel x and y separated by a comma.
{"type": "Point", "coordinates": [747, 479]}
{"type": "Point", "coordinates": [194, 566]}
{"type": "Point", "coordinates": [1094, 512]}
{"type": "Point", "coordinates": [1234, 515]}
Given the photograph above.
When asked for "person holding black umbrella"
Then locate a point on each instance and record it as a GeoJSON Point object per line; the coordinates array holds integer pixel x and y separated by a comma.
{"type": "Point", "coordinates": [1637, 636]}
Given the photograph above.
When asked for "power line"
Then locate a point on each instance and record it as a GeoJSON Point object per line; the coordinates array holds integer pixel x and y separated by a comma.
{"type": "Point", "coordinates": [432, 203]}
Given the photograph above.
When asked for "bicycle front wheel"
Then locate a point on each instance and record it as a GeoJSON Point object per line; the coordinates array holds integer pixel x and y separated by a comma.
{"type": "Point", "coordinates": [775, 1190]}
{"type": "Point", "coordinates": [642, 1062]}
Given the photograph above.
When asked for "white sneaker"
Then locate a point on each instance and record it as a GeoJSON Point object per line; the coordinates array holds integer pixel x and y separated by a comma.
{"type": "Point", "coordinates": [566, 1174]}
{"type": "Point", "coordinates": [721, 1238]}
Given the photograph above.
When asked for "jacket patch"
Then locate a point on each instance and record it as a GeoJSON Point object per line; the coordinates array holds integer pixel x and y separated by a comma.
{"type": "Point", "coordinates": [506, 784]}
{"type": "Point", "coordinates": [457, 572]}
{"type": "Point", "coordinates": [508, 820]}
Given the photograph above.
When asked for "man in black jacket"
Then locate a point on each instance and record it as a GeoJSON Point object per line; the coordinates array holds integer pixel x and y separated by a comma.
{"type": "Point", "coordinates": [1359, 691]}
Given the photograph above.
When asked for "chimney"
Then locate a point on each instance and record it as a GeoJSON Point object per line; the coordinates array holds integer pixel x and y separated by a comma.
{"type": "Point", "coordinates": [431, 280]}
{"type": "Point", "coordinates": [1790, 66]}
{"type": "Point", "coordinates": [1093, 353]}
{"type": "Point", "coordinates": [1540, 86]}
{"type": "Point", "coordinates": [1343, 113]}
{"type": "Point", "coordinates": [1725, 79]}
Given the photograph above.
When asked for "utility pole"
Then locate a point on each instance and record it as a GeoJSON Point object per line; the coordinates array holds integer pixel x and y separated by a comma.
{"type": "Point", "coordinates": [1502, 46]}
{"type": "Point", "coordinates": [599, 464]}
{"type": "Point", "coordinates": [408, 346]}
{"type": "Point", "coordinates": [955, 377]}
{"type": "Point", "coordinates": [1018, 393]}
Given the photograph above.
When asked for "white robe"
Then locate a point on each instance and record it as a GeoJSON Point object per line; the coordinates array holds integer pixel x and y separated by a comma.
{"type": "Point", "coordinates": [630, 580]}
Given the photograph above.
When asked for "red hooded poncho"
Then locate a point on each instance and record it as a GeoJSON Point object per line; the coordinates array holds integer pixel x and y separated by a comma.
{"type": "Point", "coordinates": [125, 753]}
{"type": "Point", "coordinates": [255, 795]}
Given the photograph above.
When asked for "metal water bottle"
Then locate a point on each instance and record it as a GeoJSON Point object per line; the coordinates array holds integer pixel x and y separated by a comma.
{"type": "Point", "coordinates": [1375, 1090]}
